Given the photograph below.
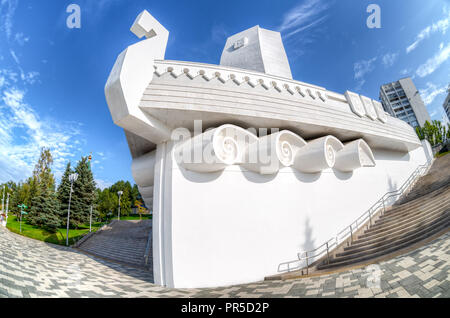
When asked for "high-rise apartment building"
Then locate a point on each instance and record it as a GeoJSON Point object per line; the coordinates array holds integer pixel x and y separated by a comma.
{"type": "Point", "coordinates": [401, 99]}
{"type": "Point", "coordinates": [446, 104]}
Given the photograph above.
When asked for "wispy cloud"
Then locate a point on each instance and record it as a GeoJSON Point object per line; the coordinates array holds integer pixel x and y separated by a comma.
{"type": "Point", "coordinates": [389, 59]}
{"type": "Point", "coordinates": [102, 184]}
{"type": "Point", "coordinates": [361, 69]}
{"type": "Point", "coordinates": [404, 71]}
{"type": "Point", "coordinates": [26, 77]}
{"type": "Point", "coordinates": [7, 9]}
{"type": "Point", "coordinates": [219, 33]}
{"type": "Point", "coordinates": [434, 62]}
{"type": "Point", "coordinates": [304, 16]}
{"type": "Point", "coordinates": [23, 133]}
{"type": "Point", "coordinates": [432, 91]}
{"type": "Point", "coordinates": [21, 39]}
{"type": "Point", "coordinates": [440, 26]}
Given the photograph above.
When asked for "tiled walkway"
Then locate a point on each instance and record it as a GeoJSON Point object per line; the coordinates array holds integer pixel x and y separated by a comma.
{"type": "Point", "coordinates": [30, 268]}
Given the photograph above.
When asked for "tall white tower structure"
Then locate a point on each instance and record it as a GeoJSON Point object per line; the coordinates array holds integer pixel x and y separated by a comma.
{"type": "Point", "coordinates": [257, 49]}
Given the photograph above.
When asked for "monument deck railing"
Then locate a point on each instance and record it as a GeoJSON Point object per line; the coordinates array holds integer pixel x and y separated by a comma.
{"type": "Point", "coordinates": [306, 258]}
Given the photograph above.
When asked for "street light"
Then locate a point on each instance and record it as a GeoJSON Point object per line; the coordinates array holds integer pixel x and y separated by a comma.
{"type": "Point", "coordinates": [120, 194]}
{"type": "Point", "coordinates": [72, 178]}
{"type": "Point", "coordinates": [22, 207]}
{"type": "Point", "coordinates": [3, 200]}
{"type": "Point", "coordinates": [7, 205]}
{"type": "Point", "coordinates": [90, 221]}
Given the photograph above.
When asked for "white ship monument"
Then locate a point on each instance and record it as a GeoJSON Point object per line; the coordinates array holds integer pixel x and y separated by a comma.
{"type": "Point", "coordinates": [243, 166]}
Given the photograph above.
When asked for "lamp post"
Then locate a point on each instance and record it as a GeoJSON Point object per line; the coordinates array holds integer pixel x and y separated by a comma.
{"type": "Point", "coordinates": [120, 194]}
{"type": "Point", "coordinates": [90, 221]}
{"type": "Point", "coordinates": [7, 204]}
{"type": "Point", "coordinates": [72, 178]}
{"type": "Point", "coordinates": [22, 207]}
{"type": "Point", "coordinates": [3, 199]}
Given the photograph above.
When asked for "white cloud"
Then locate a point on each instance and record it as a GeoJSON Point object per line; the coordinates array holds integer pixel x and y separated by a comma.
{"type": "Point", "coordinates": [28, 78]}
{"type": "Point", "coordinates": [21, 39]}
{"type": "Point", "coordinates": [23, 133]}
{"type": "Point", "coordinates": [14, 56]}
{"type": "Point", "coordinates": [433, 63]}
{"type": "Point", "coordinates": [389, 59]}
{"type": "Point", "coordinates": [102, 184]}
{"type": "Point", "coordinates": [432, 91]}
{"type": "Point", "coordinates": [219, 33]}
{"type": "Point", "coordinates": [440, 26]}
{"type": "Point", "coordinates": [306, 15]}
{"type": "Point", "coordinates": [361, 69]}
{"type": "Point", "coordinates": [7, 9]}
{"type": "Point", "coordinates": [404, 71]}
{"type": "Point", "coordinates": [22, 130]}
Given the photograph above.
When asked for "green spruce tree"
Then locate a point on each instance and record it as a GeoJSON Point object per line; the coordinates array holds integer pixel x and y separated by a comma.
{"type": "Point", "coordinates": [83, 195]}
{"type": "Point", "coordinates": [44, 204]}
{"type": "Point", "coordinates": [64, 193]}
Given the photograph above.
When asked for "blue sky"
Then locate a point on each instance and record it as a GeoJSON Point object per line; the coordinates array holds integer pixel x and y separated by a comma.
{"type": "Point", "coordinates": [52, 78]}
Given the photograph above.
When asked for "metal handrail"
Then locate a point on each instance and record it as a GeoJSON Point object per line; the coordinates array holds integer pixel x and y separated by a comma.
{"type": "Point", "coordinates": [355, 226]}
{"type": "Point", "coordinates": [147, 248]}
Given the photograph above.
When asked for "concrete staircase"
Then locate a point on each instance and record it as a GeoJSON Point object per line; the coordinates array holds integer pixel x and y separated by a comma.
{"type": "Point", "coordinates": [398, 228]}
{"type": "Point", "coordinates": [421, 214]}
{"type": "Point", "coordinates": [121, 241]}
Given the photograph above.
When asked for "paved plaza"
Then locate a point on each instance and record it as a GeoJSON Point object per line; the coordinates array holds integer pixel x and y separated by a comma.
{"type": "Point", "coordinates": [30, 268]}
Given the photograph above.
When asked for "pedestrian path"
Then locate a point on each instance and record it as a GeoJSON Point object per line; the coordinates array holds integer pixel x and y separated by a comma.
{"type": "Point", "coordinates": [30, 268]}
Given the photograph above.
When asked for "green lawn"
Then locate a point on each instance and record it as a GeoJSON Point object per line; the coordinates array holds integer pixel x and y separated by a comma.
{"type": "Point", "coordinates": [442, 154]}
{"type": "Point", "coordinates": [59, 237]}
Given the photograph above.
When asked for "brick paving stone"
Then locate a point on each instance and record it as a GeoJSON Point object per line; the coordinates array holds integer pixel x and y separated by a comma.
{"type": "Point", "coordinates": [30, 268]}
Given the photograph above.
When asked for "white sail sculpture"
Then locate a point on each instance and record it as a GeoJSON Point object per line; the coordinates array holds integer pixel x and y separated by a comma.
{"type": "Point", "coordinates": [231, 202]}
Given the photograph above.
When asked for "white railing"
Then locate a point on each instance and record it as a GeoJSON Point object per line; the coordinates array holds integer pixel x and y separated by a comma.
{"type": "Point", "coordinates": [348, 232]}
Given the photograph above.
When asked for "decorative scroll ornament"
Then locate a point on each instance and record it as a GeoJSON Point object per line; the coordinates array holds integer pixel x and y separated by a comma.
{"type": "Point", "coordinates": [318, 155]}
{"type": "Point", "coordinates": [354, 155]}
{"type": "Point", "coordinates": [273, 152]}
{"type": "Point", "coordinates": [215, 149]}
{"type": "Point", "coordinates": [229, 145]}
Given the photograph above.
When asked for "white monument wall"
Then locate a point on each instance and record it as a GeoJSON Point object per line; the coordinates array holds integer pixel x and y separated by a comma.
{"type": "Point", "coordinates": [220, 231]}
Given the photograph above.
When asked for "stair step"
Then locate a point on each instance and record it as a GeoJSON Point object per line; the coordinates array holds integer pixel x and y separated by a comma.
{"type": "Point", "coordinates": [386, 219]}
{"type": "Point", "coordinates": [399, 232]}
{"type": "Point", "coordinates": [411, 206]}
{"type": "Point", "coordinates": [392, 240]}
{"type": "Point", "coordinates": [392, 227]}
{"type": "Point", "coordinates": [371, 234]}
{"type": "Point", "coordinates": [420, 214]}
{"type": "Point", "coordinates": [339, 263]}
{"type": "Point", "coordinates": [123, 241]}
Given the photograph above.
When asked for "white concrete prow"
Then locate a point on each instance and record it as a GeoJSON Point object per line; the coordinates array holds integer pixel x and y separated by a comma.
{"type": "Point", "coordinates": [131, 74]}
